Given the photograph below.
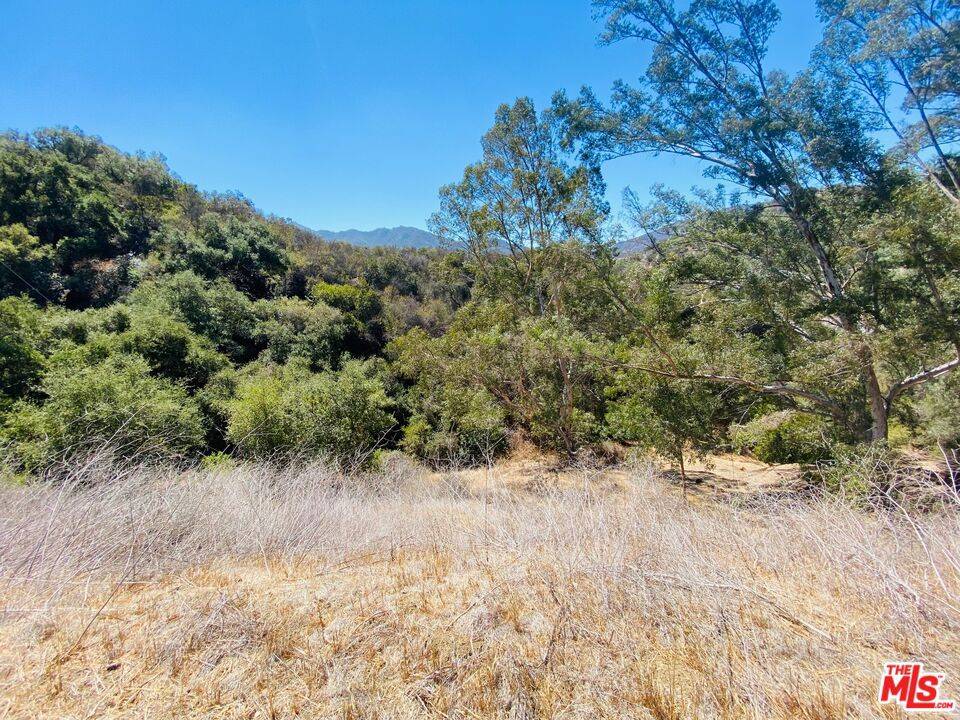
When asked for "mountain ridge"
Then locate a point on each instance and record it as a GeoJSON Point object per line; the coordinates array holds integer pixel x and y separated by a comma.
{"type": "Point", "coordinates": [399, 236]}
{"type": "Point", "coordinates": [413, 237]}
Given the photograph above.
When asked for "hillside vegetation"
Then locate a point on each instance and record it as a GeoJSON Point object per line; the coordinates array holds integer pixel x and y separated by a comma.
{"type": "Point", "coordinates": [811, 316]}
{"type": "Point", "coordinates": [249, 473]}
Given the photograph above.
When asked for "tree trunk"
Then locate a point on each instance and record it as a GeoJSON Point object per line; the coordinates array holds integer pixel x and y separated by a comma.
{"type": "Point", "coordinates": [876, 401]}
{"type": "Point", "coordinates": [878, 408]}
{"type": "Point", "coordinates": [566, 409]}
{"type": "Point", "coordinates": [683, 473]}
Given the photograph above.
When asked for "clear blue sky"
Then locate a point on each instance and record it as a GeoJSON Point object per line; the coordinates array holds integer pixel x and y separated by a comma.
{"type": "Point", "coordinates": [335, 113]}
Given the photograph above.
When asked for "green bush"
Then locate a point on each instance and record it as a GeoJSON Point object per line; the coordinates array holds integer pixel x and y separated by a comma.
{"type": "Point", "coordinates": [218, 461]}
{"type": "Point", "coordinates": [859, 472]}
{"type": "Point", "coordinates": [215, 310]}
{"type": "Point", "coordinates": [457, 426]}
{"type": "Point", "coordinates": [292, 328]}
{"type": "Point", "coordinates": [115, 404]}
{"type": "Point", "coordinates": [216, 397]}
{"type": "Point", "coordinates": [76, 327]}
{"type": "Point", "coordinates": [21, 335]}
{"type": "Point", "coordinates": [538, 375]}
{"type": "Point", "coordinates": [172, 349]}
{"type": "Point", "coordinates": [28, 265]}
{"type": "Point", "coordinates": [939, 412]}
{"type": "Point", "coordinates": [362, 310]}
{"type": "Point", "coordinates": [290, 412]}
{"type": "Point", "coordinates": [361, 302]}
{"type": "Point", "coordinates": [784, 437]}
{"type": "Point", "coordinates": [673, 418]}
{"type": "Point", "coordinates": [564, 383]}
{"type": "Point", "coordinates": [245, 251]}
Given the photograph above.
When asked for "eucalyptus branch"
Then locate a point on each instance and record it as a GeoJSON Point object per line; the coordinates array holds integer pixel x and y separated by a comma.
{"type": "Point", "coordinates": [921, 377]}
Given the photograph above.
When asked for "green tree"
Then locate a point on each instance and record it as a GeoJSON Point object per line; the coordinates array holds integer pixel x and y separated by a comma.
{"type": "Point", "coordinates": [522, 198]}
{"type": "Point", "coordinates": [732, 302]}
{"type": "Point", "coordinates": [673, 417]}
{"type": "Point", "coordinates": [797, 143]}
{"type": "Point", "coordinates": [904, 56]}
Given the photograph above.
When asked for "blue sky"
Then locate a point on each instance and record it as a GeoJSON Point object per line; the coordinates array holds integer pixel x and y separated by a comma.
{"type": "Point", "coordinates": [335, 113]}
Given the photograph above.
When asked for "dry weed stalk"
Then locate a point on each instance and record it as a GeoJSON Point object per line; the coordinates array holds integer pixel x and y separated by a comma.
{"type": "Point", "coordinates": [260, 592]}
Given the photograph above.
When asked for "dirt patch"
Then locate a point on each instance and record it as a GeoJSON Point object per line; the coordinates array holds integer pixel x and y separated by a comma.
{"type": "Point", "coordinates": [732, 474]}
{"type": "Point", "coordinates": [715, 475]}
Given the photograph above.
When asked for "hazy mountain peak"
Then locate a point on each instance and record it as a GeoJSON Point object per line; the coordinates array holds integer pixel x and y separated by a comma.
{"type": "Point", "coordinates": [400, 236]}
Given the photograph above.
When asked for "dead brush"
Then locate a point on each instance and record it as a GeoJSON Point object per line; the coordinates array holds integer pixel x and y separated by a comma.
{"type": "Point", "coordinates": [257, 591]}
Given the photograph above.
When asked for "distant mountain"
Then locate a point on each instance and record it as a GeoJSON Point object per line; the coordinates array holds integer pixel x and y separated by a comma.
{"type": "Point", "coordinates": [405, 236]}
{"type": "Point", "coordinates": [402, 236]}
{"type": "Point", "coordinates": [642, 243]}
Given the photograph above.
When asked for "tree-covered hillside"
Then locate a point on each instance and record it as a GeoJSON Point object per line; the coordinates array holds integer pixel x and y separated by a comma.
{"type": "Point", "coordinates": [142, 314]}
{"type": "Point", "coordinates": [806, 307]}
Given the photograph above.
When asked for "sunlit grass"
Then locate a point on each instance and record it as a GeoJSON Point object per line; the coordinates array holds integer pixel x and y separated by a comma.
{"type": "Point", "coordinates": [256, 592]}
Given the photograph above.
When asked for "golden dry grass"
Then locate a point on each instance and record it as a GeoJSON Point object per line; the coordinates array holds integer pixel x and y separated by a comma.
{"type": "Point", "coordinates": [254, 593]}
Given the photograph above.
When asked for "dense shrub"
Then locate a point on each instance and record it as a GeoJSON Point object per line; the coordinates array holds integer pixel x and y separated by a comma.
{"type": "Point", "coordinates": [172, 349]}
{"type": "Point", "coordinates": [90, 207]}
{"type": "Point", "coordinates": [783, 437]}
{"type": "Point", "coordinates": [361, 302]}
{"type": "Point", "coordinates": [362, 310]}
{"type": "Point", "coordinates": [540, 374]}
{"type": "Point", "coordinates": [173, 319]}
{"type": "Point", "coordinates": [79, 326]}
{"type": "Point", "coordinates": [244, 251]}
{"type": "Point", "coordinates": [457, 426]}
{"type": "Point", "coordinates": [168, 344]}
{"type": "Point", "coordinates": [939, 411]}
{"type": "Point", "coordinates": [289, 412]}
{"type": "Point", "coordinates": [290, 328]}
{"type": "Point", "coordinates": [114, 404]}
{"type": "Point", "coordinates": [402, 313]}
{"type": "Point", "coordinates": [214, 309]}
{"type": "Point", "coordinates": [562, 400]}
{"type": "Point", "coordinates": [21, 362]}
{"type": "Point", "coordinates": [28, 265]}
{"type": "Point", "coordinates": [153, 291]}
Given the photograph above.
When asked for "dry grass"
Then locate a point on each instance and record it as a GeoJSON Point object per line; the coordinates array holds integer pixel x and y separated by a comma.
{"type": "Point", "coordinates": [256, 593]}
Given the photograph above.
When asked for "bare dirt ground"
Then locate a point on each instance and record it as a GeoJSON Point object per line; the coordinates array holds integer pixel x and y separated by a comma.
{"type": "Point", "coordinates": [714, 477]}
{"type": "Point", "coordinates": [519, 591]}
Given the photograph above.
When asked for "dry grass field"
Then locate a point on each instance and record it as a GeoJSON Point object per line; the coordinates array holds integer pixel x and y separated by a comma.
{"type": "Point", "coordinates": [502, 593]}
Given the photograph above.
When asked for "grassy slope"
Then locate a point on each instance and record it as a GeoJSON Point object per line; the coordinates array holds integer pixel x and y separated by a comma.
{"type": "Point", "coordinates": [252, 593]}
